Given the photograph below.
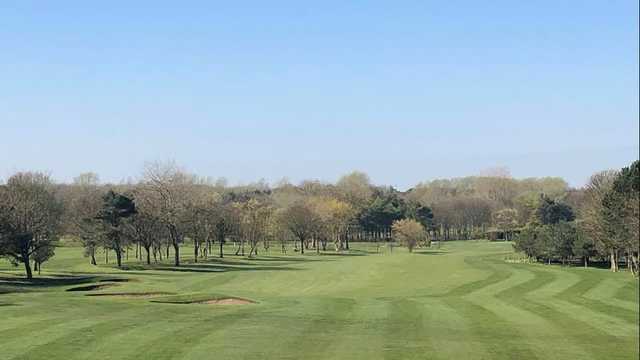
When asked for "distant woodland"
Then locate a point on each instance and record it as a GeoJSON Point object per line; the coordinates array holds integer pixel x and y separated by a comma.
{"type": "Point", "coordinates": [168, 207]}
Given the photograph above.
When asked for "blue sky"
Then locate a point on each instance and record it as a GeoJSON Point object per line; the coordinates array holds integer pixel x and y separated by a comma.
{"type": "Point", "coordinates": [406, 91]}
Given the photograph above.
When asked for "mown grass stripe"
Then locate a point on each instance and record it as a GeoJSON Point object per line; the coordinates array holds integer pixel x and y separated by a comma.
{"type": "Point", "coordinates": [67, 338]}
{"type": "Point", "coordinates": [606, 292]}
{"type": "Point", "coordinates": [485, 327]}
{"type": "Point", "coordinates": [539, 331]}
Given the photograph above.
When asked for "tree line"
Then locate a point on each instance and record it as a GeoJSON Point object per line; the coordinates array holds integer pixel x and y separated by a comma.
{"type": "Point", "coordinates": [603, 226]}
{"type": "Point", "coordinates": [168, 207]}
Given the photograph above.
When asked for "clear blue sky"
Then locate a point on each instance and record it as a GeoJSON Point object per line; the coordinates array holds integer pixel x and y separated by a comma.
{"type": "Point", "coordinates": [406, 91]}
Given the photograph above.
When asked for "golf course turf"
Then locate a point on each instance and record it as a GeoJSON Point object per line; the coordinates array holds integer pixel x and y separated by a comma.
{"type": "Point", "coordinates": [462, 300]}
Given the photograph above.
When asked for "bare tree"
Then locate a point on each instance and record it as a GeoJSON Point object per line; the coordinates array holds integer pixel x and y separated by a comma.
{"type": "Point", "coordinates": [497, 172]}
{"type": "Point", "coordinates": [301, 221]}
{"type": "Point", "coordinates": [82, 203]}
{"type": "Point", "coordinates": [145, 227]}
{"type": "Point", "coordinates": [254, 222]}
{"type": "Point", "coordinates": [30, 219]}
{"type": "Point", "coordinates": [224, 219]}
{"type": "Point", "coordinates": [202, 220]}
{"type": "Point", "coordinates": [170, 188]}
{"type": "Point", "coordinates": [355, 188]}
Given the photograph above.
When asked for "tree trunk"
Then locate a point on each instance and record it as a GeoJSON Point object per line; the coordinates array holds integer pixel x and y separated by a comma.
{"type": "Point", "coordinates": [586, 262]}
{"type": "Point", "coordinates": [148, 255]}
{"type": "Point", "coordinates": [221, 251]}
{"type": "Point", "coordinates": [613, 261]}
{"type": "Point", "coordinates": [176, 250]}
{"type": "Point", "coordinates": [93, 257]}
{"type": "Point", "coordinates": [634, 263]}
{"type": "Point", "coordinates": [302, 245]}
{"type": "Point", "coordinates": [119, 257]}
{"type": "Point", "coordinates": [27, 268]}
{"type": "Point", "coordinates": [195, 251]}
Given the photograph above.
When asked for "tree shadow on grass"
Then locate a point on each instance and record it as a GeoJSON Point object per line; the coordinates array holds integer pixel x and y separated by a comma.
{"type": "Point", "coordinates": [14, 284]}
{"type": "Point", "coordinates": [347, 253]}
{"type": "Point", "coordinates": [48, 280]}
{"type": "Point", "coordinates": [431, 252]}
{"type": "Point", "coordinates": [282, 259]}
{"type": "Point", "coordinates": [236, 263]}
{"type": "Point", "coordinates": [247, 261]}
{"type": "Point", "coordinates": [597, 265]}
{"type": "Point", "coordinates": [211, 268]}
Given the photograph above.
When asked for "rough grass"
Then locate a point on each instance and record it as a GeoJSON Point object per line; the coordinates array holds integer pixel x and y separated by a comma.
{"type": "Point", "coordinates": [461, 301]}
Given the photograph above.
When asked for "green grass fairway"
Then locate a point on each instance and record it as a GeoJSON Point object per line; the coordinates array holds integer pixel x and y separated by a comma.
{"type": "Point", "coordinates": [462, 301]}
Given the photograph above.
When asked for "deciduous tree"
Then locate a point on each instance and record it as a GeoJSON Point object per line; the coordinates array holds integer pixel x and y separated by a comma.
{"type": "Point", "coordinates": [170, 189]}
{"type": "Point", "coordinates": [409, 233]}
{"type": "Point", "coordinates": [30, 219]}
{"type": "Point", "coordinates": [301, 221]}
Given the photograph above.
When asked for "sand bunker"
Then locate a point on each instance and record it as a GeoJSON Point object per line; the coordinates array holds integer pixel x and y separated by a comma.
{"type": "Point", "coordinates": [211, 301]}
{"type": "Point", "coordinates": [226, 301]}
{"type": "Point", "coordinates": [144, 295]}
{"type": "Point", "coordinates": [91, 287]}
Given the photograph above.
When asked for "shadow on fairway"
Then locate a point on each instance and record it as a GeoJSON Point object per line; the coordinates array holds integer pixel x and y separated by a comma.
{"type": "Point", "coordinates": [436, 252]}
{"type": "Point", "coordinates": [250, 261]}
{"type": "Point", "coordinates": [46, 281]}
{"type": "Point", "coordinates": [211, 268]}
{"type": "Point", "coordinates": [14, 284]}
{"type": "Point", "coordinates": [91, 287]}
{"type": "Point", "coordinates": [350, 253]}
{"type": "Point", "coordinates": [282, 259]}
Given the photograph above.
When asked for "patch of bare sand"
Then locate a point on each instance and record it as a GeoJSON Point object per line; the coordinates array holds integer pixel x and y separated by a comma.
{"type": "Point", "coordinates": [226, 301]}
